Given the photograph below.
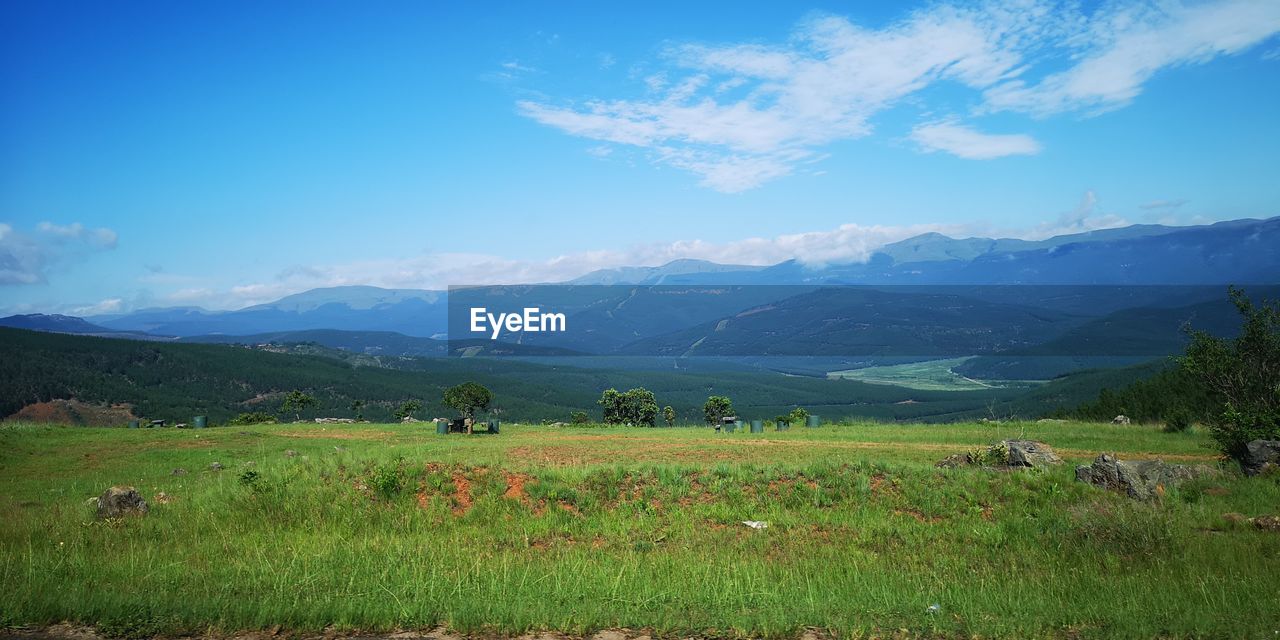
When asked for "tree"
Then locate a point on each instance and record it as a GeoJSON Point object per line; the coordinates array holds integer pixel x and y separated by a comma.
{"type": "Point", "coordinates": [297, 402]}
{"type": "Point", "coordinates": [357, 407]}
{"type": "Point", "coordinates": [716, 409]}
{"type": "Point", "coordinates": [798, 416]}
{"type": "Point", "coordinates": [669, 415]}
{"type": "Point", "coordinates": [468, 398]}
{"type": "Point", "coordinates": [407, 409]}
{"type": "Point", "coordinates": [633, 407]}
{"type": "Point", "coordinates": [579, 417]}
{"type": "Point", "coordinates": [1243, 374]}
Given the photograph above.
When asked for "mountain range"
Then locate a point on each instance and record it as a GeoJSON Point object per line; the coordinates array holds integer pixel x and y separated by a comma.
{"type": "Point", "coordinates": [1126, 291]}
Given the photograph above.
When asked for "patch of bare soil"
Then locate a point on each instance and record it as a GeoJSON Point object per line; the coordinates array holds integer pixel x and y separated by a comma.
{"type": "Point", "coordinates": [461, 494]}
{"type": "Point", "coordinates": [515, 486]}
{"type": "Point", "coordinates": [75, 412]}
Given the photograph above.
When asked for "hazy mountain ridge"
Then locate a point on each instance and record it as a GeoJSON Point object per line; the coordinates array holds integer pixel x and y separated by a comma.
{"type": "Point", "coordinates": [1226, 252]}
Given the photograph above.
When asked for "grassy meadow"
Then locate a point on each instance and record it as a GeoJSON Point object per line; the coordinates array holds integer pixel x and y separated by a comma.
{"type": "Point", "coordinates": [372, 528]}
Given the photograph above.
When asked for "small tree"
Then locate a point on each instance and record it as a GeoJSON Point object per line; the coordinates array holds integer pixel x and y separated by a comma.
{"type": "Point", "coordinates": [610, 406]}
{"type": "Point", "coordinates": [468, 398]}
{"type": "Point", "coordinates": [1243, 374]}
{"type": "Point", "coordinates": [798, 416]}
{"type": "Point", "coordinates": [579, 417]}
{"type": "Point", "coordinates": [716, 409]}
{"type": "Point", "coordinates": [297, 402]}
{"type": "Point", "coordinates": [357, 407]}
{"type": "Point", "coordinates": [407, 409]}
{"type": "Point", "coordinates": [669, 415]}
{"type": "Point", "coordinates": [635, 407]}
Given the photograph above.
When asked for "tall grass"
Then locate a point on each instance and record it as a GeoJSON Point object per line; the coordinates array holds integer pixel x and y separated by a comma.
{"type": "Point", "coordinates": [408, 530]}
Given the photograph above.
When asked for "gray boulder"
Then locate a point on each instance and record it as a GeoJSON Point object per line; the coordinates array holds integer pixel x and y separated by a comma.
{"type": "Point", "coordinates": [1138, 479]}
{"type": "Point", "coordinates": [118, 502]}
{"type": "Point", "coordinates": [1260, 456]}
{"type": "Point", "coordinates": [1006, 454]}
{"type": "Point", "coordinates": [1029, 453]}
{"type": "Point", "coordinates": [216, 466]}
{"type": "Point", "coordinates": [1120, 419]}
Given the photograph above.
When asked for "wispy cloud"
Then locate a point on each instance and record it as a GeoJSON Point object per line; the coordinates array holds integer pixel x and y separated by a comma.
{"type": "Point", "coordinates": [26, 258]}
{"type": "Point", "coordinates": [1087, 216]}
{"type": "Point", "coordinates": [1163, 204]}
{"type": "Point", "coordinates": [846, 243]}
{"type": "Point", "coordinates": [965, 142]}
{"type": "Point", "coordinates": [739, 115]}
{"type": "Point", "coordinates": [1120, 48]}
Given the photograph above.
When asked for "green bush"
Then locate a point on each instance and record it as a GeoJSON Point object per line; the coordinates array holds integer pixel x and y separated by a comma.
{"type": "Point", "coordinates": [633, 407]}
{"type": "Point", "coordinates": [1243, 373]}
{"type": "Point", "coordinates": [579, 417]}
{"type": "Point", "coordinates": [388, 480]}
{"type": "Point", "coordinates": [256, 417]}
{"type": "Point", "coordinates": [1177, 421]}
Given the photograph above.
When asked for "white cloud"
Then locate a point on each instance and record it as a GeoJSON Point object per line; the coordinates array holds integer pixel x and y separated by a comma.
{"type": "Point", "coordinates": [102, 237]}
{"type": "Point", "coordinates": [110, 305]}
{"type": "Point", "coordinates": [1121, 48]}
{"type": "Point", "coordinates": [1087, 216]}
{"type": "Point", "coordinates": [833, 76]}
{"type": "Point", "coordinates": [964, 142]}
{"type": "Point", "coordinates": [1163, 204]}
{"type": "Point", "coordinates": [27, 258]}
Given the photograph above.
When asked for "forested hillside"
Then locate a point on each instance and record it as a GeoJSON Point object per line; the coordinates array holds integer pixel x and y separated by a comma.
{"type": "Point", "coordinates": [177, 381]}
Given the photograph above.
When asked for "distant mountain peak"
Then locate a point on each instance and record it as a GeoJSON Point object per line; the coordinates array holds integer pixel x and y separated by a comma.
{"type": "Point", "coordinates": [54, 322]}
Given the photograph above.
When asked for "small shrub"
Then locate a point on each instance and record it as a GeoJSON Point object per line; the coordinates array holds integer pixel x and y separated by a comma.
{"type": "Point", "coordinates": [389, 479]}
{"type": "Point", "coordinates": [798, 416]}
{"type": "Point", "coordinates": [1177, 421]}
{"type": "Point", "coordinates": [997, 455]}
{"type": "Point", "coordinates": [255, 417]}
{"type": "Point", "coordinates": [579, 417]}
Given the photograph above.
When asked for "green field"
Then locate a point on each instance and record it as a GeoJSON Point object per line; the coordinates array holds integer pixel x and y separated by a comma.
{"type": "Point", "coordinates": [930, 375]}
{"type": "Point", "coordinates": [370, 528]}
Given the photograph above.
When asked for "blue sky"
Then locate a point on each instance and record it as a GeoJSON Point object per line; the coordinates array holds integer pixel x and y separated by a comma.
{"type": "Point", "coordinates": [225, 154]}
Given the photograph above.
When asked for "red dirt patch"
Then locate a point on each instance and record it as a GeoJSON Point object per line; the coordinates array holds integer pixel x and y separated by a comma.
{"type": "Point", "coordinates": [75, 412]}
{"type": "Point", "coordinates": [515, 486]}
{"type": "Point", "coordinates": [461, 494]}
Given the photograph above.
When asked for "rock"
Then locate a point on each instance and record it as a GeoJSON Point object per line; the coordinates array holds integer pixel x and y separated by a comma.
{"type": "Point", "coordinates": [1006, 454]}
{"type": "Point", "coordinates": [408, 419]}
{"type": "Point", "coordinates": [217, 466]}
{"type": "Point", "coordinates": [1266, 523]}
{"type": "Point", "coordinates": [179, 472]}
{"type": "Point", "coordinates": [290, 453]}
{"type": "Point", "coordinates": [1051, 421]}
{"type": "Point", "coordinates": [1235, 518]}
{"type": "Point", "coordinates": [1261, 456]}
{"type": "Point", "coordinates": [118, 502]}
{"type": "Point", "coordinates": [1120, 419]}
{"type": "Point", "coordinates": [1138, 479]}
{"type": "Point", "coordinates": [1029, 453]}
